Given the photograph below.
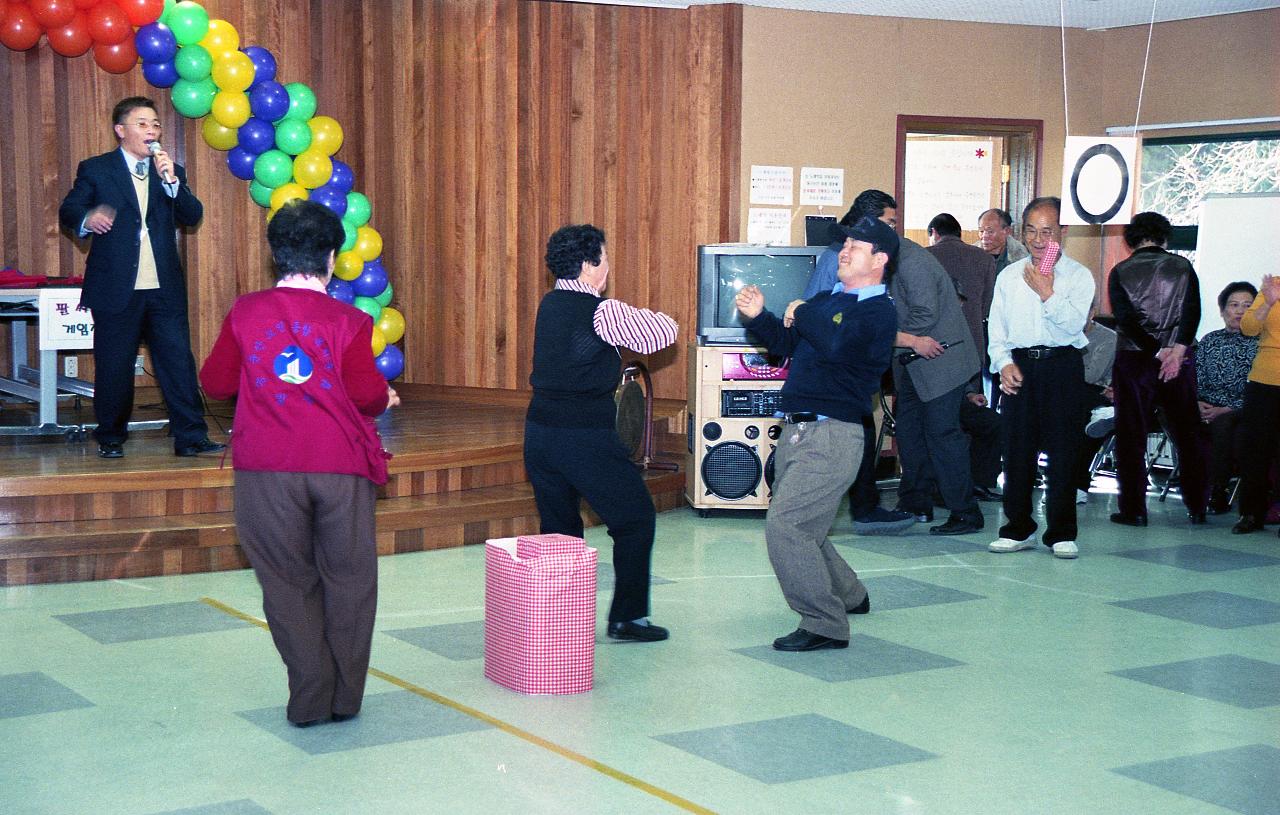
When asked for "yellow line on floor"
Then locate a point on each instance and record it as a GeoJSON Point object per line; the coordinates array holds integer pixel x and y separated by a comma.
{"type": "Point", "coordinates": [506, 727]}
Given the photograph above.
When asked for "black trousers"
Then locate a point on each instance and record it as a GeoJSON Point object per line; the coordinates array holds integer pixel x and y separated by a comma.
{"type": "Point", "coordinates": [567, 464]}
{"type": "Point", "coordinates": [1225, 443]}
{"type": "Point", "coordinates": [149, 317]}
{"type": "Point", "coordinates": [1045, 415]}
{"type": "Point", "coordinates": [985, 429]}
{"type": "Point", "coordinates": [1262, 429]}
{"type": "Point", "coordinates": [864, 495]}
{"type": "Point", "coordinates": [934, 450]}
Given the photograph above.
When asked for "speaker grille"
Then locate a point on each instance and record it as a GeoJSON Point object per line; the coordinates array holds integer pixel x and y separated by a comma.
{"type": "Point", "coordinates": [731, 470]}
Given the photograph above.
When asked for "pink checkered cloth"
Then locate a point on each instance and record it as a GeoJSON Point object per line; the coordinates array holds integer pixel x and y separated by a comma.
{"type": "Point", "coordinates": [540, 613]}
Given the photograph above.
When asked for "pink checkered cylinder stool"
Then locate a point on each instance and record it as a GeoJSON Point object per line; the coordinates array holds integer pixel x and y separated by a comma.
{"type": "Point", "coordinates": [540, 613]}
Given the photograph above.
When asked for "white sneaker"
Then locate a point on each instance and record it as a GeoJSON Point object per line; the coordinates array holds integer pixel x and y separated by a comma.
{"type": "Point", "coordinates": [1010, 545]}
{"type": "Point", "coordinates": [1082, 497]}
{"type": "Point", "coordinates": [1066, 550]}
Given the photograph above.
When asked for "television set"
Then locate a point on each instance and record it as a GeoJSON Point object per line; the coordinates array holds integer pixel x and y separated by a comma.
{"type": "Point", "coordinates": [781, 272]}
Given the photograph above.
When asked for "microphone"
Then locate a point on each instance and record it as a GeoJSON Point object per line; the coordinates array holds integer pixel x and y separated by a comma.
{"type": "Point", "coordinates": [907, 357]}
{"type": "Point", "coordinates": [154, 147]}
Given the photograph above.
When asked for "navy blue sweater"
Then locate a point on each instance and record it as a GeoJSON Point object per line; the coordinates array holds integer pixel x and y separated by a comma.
{"type": "Point", "coordinates": [839, 346]}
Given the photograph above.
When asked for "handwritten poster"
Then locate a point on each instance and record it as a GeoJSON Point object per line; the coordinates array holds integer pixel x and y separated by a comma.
{"type": "Point", "coordinates": [64, 323]}
{"type": "Point", "coordinates": [947, 176]}
{"type": "Point", "coordinates": [769, 226]}
{"type": "Point", "coordinates": [771, 185]}
{"type": "Point", "coordinates": [821, 186]}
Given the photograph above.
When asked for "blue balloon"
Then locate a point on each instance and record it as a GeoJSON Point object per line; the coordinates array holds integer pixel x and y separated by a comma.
{"type": "Point", "coordinates": [160, 74]}
{"type": "Point", "coordinates": [340, 289]}
{"type": "Point", "coordinates": [390, 362]}
{"type": "Point", "coordinates": [269, 100]}
{"type": "Point", "coordinates": [256, 135]}
{"type": "Point", "coordinates": [264, 64]}
{"type": "Point", "coordinates": [240, 162]}
{"type": "Point", "coordinates": [155, 43]}
{"type": "Point", "coordinates": [372, 280]}
{"type": "Point", "coordinates": [342, 179]}
{"type": "Point", "coordinates": [329, 196]}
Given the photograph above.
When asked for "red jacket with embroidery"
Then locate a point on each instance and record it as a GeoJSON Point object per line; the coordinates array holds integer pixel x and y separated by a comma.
{"type": "Point", "coordinates": [301, 366]}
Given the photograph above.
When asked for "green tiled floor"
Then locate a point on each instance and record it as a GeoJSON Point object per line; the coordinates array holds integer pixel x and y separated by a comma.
{"type": "Point", "coordinates": [978, 683]}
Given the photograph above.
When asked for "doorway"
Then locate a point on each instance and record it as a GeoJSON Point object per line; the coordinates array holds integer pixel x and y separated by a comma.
{"type": "Point", "coordinates": [964, 166]}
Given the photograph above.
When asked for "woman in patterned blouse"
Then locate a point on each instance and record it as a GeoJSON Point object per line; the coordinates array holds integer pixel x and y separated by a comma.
{"type": "Point", "coordinates": [1223, 360]}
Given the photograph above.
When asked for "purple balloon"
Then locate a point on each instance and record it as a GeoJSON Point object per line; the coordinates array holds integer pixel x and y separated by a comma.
{"type": "Point", "coordinates": [340, 289]}
{"type": "Point", "coordinates": [372, 280]}
{"type": "Point", "coordinates": [342, 179]}
{"type": "Point", "coordinates": [160, 74]}
{"type": "Point", "coordinates": [264, 65]}
{"type": "Point", "coordinates": [331, 197]}
{"type": "Point", "coordinates": [256, 135]}
{"type": "Point", "coordinates": [269, 100]}
{"type": "Point", "coordinates": [390, 362]}
{"type": "Point", "coordinates": [155, 43]}
{"type": "Point", "coordinates": [240, 162]}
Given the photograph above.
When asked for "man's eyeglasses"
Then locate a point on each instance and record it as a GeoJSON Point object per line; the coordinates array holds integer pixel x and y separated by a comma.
{"type": "Point", "coordinates": [1046, 234]}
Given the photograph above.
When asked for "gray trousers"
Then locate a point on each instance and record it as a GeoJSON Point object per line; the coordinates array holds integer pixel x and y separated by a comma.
{"type": "Point", "coordinates": [310, 538]}
{"type": "Point", "coordinates": [815, 463]}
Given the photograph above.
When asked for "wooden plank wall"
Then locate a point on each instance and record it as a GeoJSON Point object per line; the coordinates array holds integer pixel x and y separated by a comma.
{"type": "Point", "coordinates": [476, 127]}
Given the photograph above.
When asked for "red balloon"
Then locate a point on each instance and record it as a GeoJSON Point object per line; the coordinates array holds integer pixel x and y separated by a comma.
{"type": "Point", "coordinates": [141, 12]}
{"type": "Point", "coordinates": [85, 5]}
{"type": "Point", "coordinates": [108, 24]}
{"type": "Point", "coordinates": [117, 58]}
{"type": "Point", "coordinates": [53, 13]}
{"type": "Point", "coordinates": [20, 30]}
{"type": "Point", "coordinates": [72, 39]}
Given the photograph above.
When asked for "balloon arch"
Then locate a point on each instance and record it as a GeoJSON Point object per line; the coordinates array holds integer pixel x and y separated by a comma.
{"type": "Point", "coordinates": [270, 131]}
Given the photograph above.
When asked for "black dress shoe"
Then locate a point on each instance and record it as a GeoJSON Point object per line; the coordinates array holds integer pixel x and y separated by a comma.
{"type": "Point", "coordinates": [987, 494]}
{"type": "Point", "coordinates": [637, 632]}
{"type": "Point", "coordinates": [1197, 518]}
{"type": "Point", "coordinates": [1245, 525]}
{"type": "Point", "coordinates": [863, 607]}
{"type": "Point", "coordinates": [959, 524]}
{"type": "Point", "coordinates": [308, 723]}
{"type": "Point", "coordinates": [202, 446]}
{"type": "Point", "coordinates": [1220, 503]}
{"type": "Point", "coordinates": [110, 449]}
{"type": "Point", "coordinates": [801, 640]}
{"type": "Point", "coordinates": [925, 517]}
{"type": "Point", "coordinates": [344, 717]}
{"type": "Point", "coordinates": [1125, 519]}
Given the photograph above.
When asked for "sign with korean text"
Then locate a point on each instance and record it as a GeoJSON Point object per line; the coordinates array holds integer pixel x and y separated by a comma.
{"type": "Point", "coordinates": [64, 323]}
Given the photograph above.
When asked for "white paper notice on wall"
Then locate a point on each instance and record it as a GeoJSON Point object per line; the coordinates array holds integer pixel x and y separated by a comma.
{"type": "Point", "coordinates": [1098, 175]}
{"type": "Point", "coordinates": [821, 186]}
{"type": "Point", "coordinates": [772, 185]}
{"type": "Point", "coordinates": [951, 175]}
{"type": "Point", "coordinates": [769, 226]}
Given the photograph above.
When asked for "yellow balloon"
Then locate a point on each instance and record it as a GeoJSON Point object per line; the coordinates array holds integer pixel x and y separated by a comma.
{"type": "Point", "coordinates": [348, 266]}
{"type": "Point", "coordinates": [368, 243]}
{"type": "Point", "coordinates": [234, 72]}
{"type": "Point", "coordinates": [285, 193]}
{"type": "Point", "coordinates": [221, 38]}
{"type": "Point", "coordinates": [326, 134]}
{"type": "Point", "coordinates": [312, 168]}
{"type": "Point", "coordinates": [217, 136]}
{"type": "Point", "coordinates": [231, 108]}
{"type": "Point", "coordinates": [379, 341]}
{"type": "Point", "coordinates": [391, 324]}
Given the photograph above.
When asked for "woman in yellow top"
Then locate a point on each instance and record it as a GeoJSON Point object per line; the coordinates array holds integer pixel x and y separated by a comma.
{"type": "Point", "coordinates": [1261, 417]}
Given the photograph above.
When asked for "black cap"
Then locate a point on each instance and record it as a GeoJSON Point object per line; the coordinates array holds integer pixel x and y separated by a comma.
{"type": "Point", "coordinates": [872, 230]}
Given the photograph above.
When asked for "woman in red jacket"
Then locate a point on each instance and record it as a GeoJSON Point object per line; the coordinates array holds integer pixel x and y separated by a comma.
{"type": "Point", "coordinates": [307, 460]}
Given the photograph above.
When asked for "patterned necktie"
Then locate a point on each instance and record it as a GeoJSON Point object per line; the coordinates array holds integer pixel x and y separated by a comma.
{"type": "Point", "coordinates": [140, 169]}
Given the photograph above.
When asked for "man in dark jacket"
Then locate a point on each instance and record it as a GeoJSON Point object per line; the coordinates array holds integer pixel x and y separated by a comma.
{"type": "Point", "coordinates": [1155, 296]}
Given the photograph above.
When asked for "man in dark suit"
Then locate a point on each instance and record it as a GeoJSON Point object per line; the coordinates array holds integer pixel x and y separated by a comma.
{"type": "Point", "coordinates": [131, 200]}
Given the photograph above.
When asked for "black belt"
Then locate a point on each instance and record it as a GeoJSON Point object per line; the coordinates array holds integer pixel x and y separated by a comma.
{"type": "Point", "coordinates": [1042, 351]}
{"type": "Point", "coordinates": [799, 418]}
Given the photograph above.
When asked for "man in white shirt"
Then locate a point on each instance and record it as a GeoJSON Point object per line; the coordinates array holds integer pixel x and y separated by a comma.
{"type": "Point", "coordinates": [1036, 328]}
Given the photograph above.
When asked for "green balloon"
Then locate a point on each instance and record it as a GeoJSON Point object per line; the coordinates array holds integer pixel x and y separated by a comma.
{"type": "Point", "coordinates": [188, 21]}
{"type": "Point", "coordinates": [293, 135]}
{"type": "Point", "coordinates": [193, 99]}
{"type": "Point", "coordinates": [384, 299]}
{"type": "Point", "coordinates": [193, 62]}
{"type": "Point", "coordinates": [273, 168]}
{"type": "Point", "coordinates": [260, 193]}
{"type": "Point", "coordinates": [302, 102]}
{"type": "Point", "coordinates": [369, 306]}
{"type": "Point", "coordinates": [348, 236]}
{"type": "Point", "coordinates": [358, 209]}
{"type": "Point", "coordinates": [168, 7]}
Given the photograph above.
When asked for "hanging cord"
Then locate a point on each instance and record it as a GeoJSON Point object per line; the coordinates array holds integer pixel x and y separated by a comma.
{"type": "Point", "coordinates": [1151, 27]}
{"type": "Point", "coordinates": [1062, 26]}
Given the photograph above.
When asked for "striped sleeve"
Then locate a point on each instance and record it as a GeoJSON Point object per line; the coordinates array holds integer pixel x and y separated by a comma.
{"type": "Point", "coordinates": [637, 329]}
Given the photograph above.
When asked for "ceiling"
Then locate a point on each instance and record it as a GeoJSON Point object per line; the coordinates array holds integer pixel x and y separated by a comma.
{"type": "Point", "coordinates": [1091, 14]}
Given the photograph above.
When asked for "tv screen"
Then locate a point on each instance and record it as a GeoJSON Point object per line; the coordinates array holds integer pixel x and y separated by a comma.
{"type": "Point", "coordinates": [781, 272]}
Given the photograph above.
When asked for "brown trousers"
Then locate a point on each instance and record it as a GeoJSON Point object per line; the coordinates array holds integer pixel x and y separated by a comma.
{"type": "Point", "coordinates": [310, 538]}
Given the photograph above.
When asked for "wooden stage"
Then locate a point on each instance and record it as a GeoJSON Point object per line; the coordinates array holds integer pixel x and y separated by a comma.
{"type": "Point", "coordinates": [457, 478]}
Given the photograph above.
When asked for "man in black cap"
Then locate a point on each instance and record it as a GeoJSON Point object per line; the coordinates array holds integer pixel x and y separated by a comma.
{"type": "Point", "coordinates": [839, 343]}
